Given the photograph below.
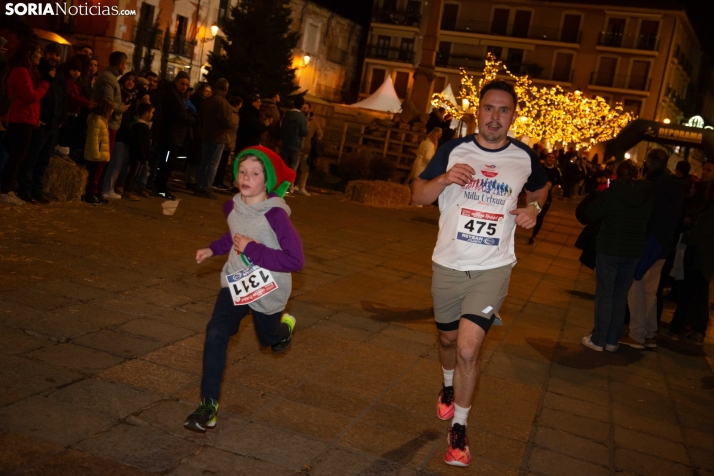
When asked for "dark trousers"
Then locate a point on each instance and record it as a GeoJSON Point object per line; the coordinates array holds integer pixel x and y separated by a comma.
{"type": "Point", "coordinates": [540, 218]}
{"type": "Point", "coordinates": [166, 159]}
{"type": "Point", "coordinates": [32, 169]}
{"type": "Point", "coordinates": [95, 170]}
{"type": "Point", "coordinates": [223, 325]}
{"type": "Point", "coordinates": [132, 173]}
{"type": "Point", "coordinates": [74, 135]}
{"type": "Point", "coordinates": [221, 170]}
{"type": "Point", "coordinates": [692, 303]}
{"type": "Point", "coordinates": [17, 141]}
{"type": "Point", "coordinates": [614, 276]}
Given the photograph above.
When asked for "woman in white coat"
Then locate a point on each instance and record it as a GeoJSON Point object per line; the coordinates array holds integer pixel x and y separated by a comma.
{"type": "Point", "coordinates": [426, 151]}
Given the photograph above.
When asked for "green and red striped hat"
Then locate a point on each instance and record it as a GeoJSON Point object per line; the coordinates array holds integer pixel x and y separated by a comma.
{"type": "Point", "coordinates": [278, 176]}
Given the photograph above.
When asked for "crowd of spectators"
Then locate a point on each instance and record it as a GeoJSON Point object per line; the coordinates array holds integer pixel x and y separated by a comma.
{"type": "Point", "coordinates": [131, 130]}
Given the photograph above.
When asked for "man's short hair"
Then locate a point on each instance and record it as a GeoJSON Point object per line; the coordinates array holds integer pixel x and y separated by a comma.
{"type": "Point", "coordinates": [151, 74]}
{"type": "Point", "coordinates": [143, 108]}
{"type": "Point", "coordinates": [181, 75]}
{"type": "Point", "coordinates": [117, 58]}
{"type": "Point", "coordinates": [221, 84]}
{"type": "Point", "coordinates": [499, 85]}
{"type": "Point", "coordinates": [683, 167]}
{"type": "Point", "coordinates": [272, 95]}
{"type": "Point", "coordinates": [53, 48]}
{"type": "Point", "coordinates": [298, 101]}
{"type": "Point", "coordinates": [81, 47]}
{"type": "Point", "coordinates": [235, 101]}
{"type": "Point", "coordinates": [656, 160]}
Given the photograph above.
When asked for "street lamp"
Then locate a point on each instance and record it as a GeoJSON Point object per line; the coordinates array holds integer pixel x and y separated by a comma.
{"type": "Point", "coordinates": [627, 155]}
{"type": "Point", "coordinates": [667, 121]}
{"type": "Point", "coordinates": [306, 60]}
{"type": "Point", "coordinates": [214, 31]}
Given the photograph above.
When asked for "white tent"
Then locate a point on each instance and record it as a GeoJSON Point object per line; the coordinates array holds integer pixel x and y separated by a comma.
{"type": "Point", "coordinates": [448, 94]}
{"type": "Point", "coordinates": [384, 99]}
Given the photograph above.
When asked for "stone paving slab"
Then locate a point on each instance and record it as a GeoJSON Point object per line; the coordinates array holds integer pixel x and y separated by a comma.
{"type": "Point", "coordinates": [100, 368]}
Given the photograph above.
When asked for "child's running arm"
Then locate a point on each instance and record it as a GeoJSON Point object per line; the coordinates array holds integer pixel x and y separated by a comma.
{"type": "Point", "coordinates": [290, 258]}
{"type": "Point", "coordinates": [222, 245]}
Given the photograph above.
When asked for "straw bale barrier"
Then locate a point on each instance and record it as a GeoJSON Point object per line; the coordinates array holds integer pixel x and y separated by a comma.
{"type": "Point", "coordinates": [379, 193]}
{"type": "Point", "coordinates": [64, 180]}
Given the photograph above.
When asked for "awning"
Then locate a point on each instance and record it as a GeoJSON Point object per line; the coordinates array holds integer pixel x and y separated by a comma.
{"type": "Point", "coordinates": [52, 37]}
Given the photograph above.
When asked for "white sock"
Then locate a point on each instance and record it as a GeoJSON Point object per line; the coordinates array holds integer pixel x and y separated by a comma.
{"type": "Point", "coordinates": [461, 414]}
{"type": "Point", "coordinates": [448, 377]}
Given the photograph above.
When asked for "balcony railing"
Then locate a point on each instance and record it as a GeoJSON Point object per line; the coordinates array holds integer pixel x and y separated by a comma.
{"type": "Point", "coordinates": [396, 17]}
{"type": "Point", "coordinates": [532, 32]}
{"type": "Point", "coordinates": [533, 70]}
{"type": "Point", "coordinates": [392, 54]}
{"type": "Point", "coordinates": [682, 60]}
{"type": "Point", "coordinates": [620, 81]}
{"type": "Point", "coordinates": [338, 55]}
{"type": "Point", "coordinates": [633, 42]}
{"type": "Point", "coordinates": [182, 47]}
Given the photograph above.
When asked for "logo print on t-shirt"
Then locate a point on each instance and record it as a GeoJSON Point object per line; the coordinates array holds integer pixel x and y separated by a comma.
{"type": "Point", "coordinates": [493, 187]}
{"type": "Point", "coordinates": [489, 171]}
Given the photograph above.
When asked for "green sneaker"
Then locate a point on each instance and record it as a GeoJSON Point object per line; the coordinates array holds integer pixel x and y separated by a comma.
{"type": "Point", "coordinates": [285, 343]}
{"type": "Point", "coordinates": [204, 417]}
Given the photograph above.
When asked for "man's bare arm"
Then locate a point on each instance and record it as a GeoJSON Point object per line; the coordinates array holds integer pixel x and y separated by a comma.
{"type": "Point", "coordinates": [425, 192]}
{"type": "Point", "coordinates": [526, 217]}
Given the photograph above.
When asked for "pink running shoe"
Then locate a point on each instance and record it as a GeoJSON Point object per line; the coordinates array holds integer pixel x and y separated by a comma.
{"type": "Point", "coordinates": [458, 453]}
{"type": "Point", "coordinates": [445, 403]}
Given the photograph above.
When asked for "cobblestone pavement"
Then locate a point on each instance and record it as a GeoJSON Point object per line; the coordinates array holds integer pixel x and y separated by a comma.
{"type": "Point", "coordinates": [102, 312]}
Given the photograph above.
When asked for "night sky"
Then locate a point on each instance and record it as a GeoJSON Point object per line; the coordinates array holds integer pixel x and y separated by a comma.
{"type": "Point", "coordinates": [697, 10]}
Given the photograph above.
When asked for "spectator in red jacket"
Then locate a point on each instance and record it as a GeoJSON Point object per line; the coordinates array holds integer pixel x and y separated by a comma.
{"type": "Point", "coordinates": [27, 89]}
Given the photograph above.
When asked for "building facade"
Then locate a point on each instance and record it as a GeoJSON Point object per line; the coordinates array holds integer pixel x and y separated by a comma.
{"type": "Point", "coordinates": [331, 42]}
{"type": "Point", "coordinates": [326, 58]}
{"type": "Point", "coordinates": [645, 58]}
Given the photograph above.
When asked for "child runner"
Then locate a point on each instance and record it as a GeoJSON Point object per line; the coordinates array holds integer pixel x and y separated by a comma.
{"type": "Point", "coordinates": [264, 249]}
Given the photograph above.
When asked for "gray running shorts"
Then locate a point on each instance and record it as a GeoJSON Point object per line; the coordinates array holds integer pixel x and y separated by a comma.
{"type": "Point", "coordinates": [473, 295]}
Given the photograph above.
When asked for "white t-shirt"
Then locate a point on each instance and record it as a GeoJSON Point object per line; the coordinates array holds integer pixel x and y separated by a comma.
{"type": "Point", "coordinates": [476, 230]}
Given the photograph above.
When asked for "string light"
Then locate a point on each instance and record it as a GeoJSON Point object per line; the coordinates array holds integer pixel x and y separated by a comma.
{"type": "Point", "coordinates": [550, 113]}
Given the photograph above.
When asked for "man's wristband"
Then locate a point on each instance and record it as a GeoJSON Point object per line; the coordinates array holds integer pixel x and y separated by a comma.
{"type": "Point", "coordinates": [536, 205]}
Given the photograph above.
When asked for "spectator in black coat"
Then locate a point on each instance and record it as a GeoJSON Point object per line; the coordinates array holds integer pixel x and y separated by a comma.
{"type": "Point", "coordinates": [175, 124]}
{"type": "Point", "coordinates": [250, 126]}
{"type": "Point", "coordinates": [693, 299]}
{"type": "Point", "coordinates": [140, 149]}
{"type": "Point", "coordinates": [623, 211]}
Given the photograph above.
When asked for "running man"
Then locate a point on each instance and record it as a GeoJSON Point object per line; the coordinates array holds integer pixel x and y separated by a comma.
{"type": "Point", "coordinates": [474, 252]}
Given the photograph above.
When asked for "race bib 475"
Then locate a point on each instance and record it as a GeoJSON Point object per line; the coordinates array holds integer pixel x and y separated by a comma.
{"type": "Point", "coordinates": [480, 228]}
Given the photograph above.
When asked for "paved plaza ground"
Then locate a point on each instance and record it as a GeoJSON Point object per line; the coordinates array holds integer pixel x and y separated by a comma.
{"type": "Point", "coordinates": [102, 317]}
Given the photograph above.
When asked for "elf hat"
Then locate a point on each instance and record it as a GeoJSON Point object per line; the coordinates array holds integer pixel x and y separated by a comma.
{"type": "Point", "coordinates": [278, 176]}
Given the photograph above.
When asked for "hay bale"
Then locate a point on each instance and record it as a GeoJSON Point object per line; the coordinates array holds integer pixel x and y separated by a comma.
{"type": "Point", "coordinates": [64, 180]}
{"type": "Point", "coordinates": [379, 193]}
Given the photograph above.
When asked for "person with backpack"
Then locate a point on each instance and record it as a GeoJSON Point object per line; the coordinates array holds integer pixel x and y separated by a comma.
{"type": "Point", "coordinates": [22, 91]}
